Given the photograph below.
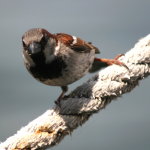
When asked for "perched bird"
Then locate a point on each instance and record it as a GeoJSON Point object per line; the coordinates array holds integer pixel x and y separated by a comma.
{"type": "Point", "coordinates": [60, 59]}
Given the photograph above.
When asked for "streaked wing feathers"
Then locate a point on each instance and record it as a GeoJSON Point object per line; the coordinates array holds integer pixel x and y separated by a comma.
{"type": "Point", "coordinates": [75, 43]}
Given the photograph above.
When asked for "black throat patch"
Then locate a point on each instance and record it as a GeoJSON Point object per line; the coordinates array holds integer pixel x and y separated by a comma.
{"type": "Point", "coordinates": [43, 71]}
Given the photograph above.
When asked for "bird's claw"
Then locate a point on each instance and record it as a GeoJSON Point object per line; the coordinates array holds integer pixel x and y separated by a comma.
{"type": "Point", "coordinates": [117, 62]}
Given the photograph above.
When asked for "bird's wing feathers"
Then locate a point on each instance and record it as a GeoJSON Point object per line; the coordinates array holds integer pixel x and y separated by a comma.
{"type": "Point", "coordinates": [76, 43]}
{"type": "Point", "coordinates": [64, 38]}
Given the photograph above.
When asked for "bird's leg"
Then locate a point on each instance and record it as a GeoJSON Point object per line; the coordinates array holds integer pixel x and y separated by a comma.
{"type": "Point", "coordinates": [64, 90]}
{"type": "Point", "coordinates": [112, 61]}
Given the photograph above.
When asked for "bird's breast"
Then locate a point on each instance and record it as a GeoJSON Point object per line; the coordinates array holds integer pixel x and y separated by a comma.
{"type": "Point", "coordinates": [44, 72]}
{"type": "Point", "coordinates": [77, 65]}
{"type": "Point", "coordinates": [64, 69]}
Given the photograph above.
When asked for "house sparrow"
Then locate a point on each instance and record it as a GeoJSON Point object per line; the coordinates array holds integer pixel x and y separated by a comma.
{"type": "Point", "coordinates": [60, 59]}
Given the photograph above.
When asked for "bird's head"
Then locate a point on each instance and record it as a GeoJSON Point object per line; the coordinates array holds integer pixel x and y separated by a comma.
{"type": "Point", "coordinates": [39, 42]}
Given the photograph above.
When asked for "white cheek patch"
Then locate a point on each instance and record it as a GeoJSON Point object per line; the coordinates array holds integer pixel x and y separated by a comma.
{"type": "Point", "coordinates": [28, 60]}
{"type": "Point", "coordinates": [48, 53]}
{"type": "Point", "coordinates": [57, 48]}
{"type": "Point", "coordinates": [24, 58]}
{"type": "Point", "coordinates": [74, 40]}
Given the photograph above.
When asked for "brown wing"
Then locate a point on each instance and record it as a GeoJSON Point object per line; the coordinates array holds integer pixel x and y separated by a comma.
{"type": "Point", "coordinates": [65, 38]}
{"type": "Point", "coordinates": [75, 43]}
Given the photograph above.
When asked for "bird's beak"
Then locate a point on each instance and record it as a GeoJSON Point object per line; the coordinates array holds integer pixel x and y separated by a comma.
{"type": "Point", "coordinates": [34, 48]}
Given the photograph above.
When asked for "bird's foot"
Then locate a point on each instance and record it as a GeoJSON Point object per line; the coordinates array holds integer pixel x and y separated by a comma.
{"type": "Point", "coordinates": [58, 101]}
{"type": "Point", "coordinates": [117, 62]}
{"type": "Point", "coordinates": [118, 56]}
{"type": "Point", "coordinates": [113, 61]}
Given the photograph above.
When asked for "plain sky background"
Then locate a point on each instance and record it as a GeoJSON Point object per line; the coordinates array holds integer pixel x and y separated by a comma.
{"type": "Point", "coordinates": [112, 25]}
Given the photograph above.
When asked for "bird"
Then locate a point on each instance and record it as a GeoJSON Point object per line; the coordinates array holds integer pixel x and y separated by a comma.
{"type": "Point", "coordinates": [60, 59]}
